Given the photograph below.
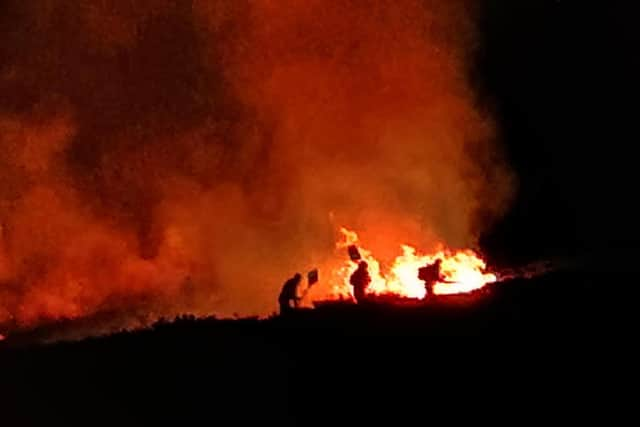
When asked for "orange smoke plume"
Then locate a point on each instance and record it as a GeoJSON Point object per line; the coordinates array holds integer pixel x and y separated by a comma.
{"type": "Point", "coordinates": [187, 156]}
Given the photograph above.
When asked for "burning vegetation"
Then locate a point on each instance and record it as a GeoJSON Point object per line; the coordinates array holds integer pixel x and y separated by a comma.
{"type": "Point", "coordinates": [461, 271]}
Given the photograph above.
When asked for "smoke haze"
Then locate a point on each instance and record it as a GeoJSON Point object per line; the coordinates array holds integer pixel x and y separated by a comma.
{"type": "Point", "coordinates": [190, 155]}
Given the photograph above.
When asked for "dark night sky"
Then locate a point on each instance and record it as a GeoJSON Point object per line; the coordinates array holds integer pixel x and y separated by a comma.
{"type": "Point", "coordinates": [562, 77]}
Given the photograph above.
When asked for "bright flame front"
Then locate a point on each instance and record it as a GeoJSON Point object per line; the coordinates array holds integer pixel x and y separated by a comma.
{"type": "Point", "coordinates": [463, 271]}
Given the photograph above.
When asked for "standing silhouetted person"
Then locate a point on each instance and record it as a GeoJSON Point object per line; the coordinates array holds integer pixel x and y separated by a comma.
{"type": "Point", "coordinates": [431, 274]}
{"type": "Point", "coordinates": [360, 280]}
{"type": "Point", "coordinates": [289, 294]}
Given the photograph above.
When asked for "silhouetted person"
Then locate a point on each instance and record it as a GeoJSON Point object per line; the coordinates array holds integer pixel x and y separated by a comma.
{"type": "Point", "coordinates": [289, 294]}
{"type": "Point", "coordinates": [431, 274]}
{"type": "Point", "coordinates": [360, 280]}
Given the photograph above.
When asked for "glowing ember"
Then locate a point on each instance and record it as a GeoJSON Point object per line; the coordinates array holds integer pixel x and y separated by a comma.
{"type": "Point", "coordinates": [463, 271]}
{"type": "Point", "coordinates": [2, 337]}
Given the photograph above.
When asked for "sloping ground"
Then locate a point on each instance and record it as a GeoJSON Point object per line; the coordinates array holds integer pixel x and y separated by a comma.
{"type": "Point", "coordinates": [554, 348]}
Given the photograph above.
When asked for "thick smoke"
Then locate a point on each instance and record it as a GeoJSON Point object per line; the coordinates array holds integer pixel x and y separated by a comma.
{"type": "Point", "coordinates": [172, 156]}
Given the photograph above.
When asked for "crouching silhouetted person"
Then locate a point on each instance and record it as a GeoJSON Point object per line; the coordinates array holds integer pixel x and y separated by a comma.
{"type": "Point", "coordinates": [431, 275]}
{"type": "Point", "coordinates": [360, 280]}
{"type": "Point", "coordinates": [288, 298]}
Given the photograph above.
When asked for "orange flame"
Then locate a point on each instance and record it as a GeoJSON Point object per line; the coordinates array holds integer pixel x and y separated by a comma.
{"type": "Point", "coordinates": [463, 271]}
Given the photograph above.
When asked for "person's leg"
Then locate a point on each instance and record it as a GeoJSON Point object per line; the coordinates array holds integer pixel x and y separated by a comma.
{"type": "Point", "coordinates": [357, 293]}
{"type": "Point", "coordinates": [285, 308]}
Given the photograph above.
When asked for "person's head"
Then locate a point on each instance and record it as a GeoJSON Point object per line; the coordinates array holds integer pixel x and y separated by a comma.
{"type": "Point", "coordinates": [297, 276]}
{"type": "Point", "coordinates": [363, 265]}
{"type": "Point", "coordinates": [438, 262]}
